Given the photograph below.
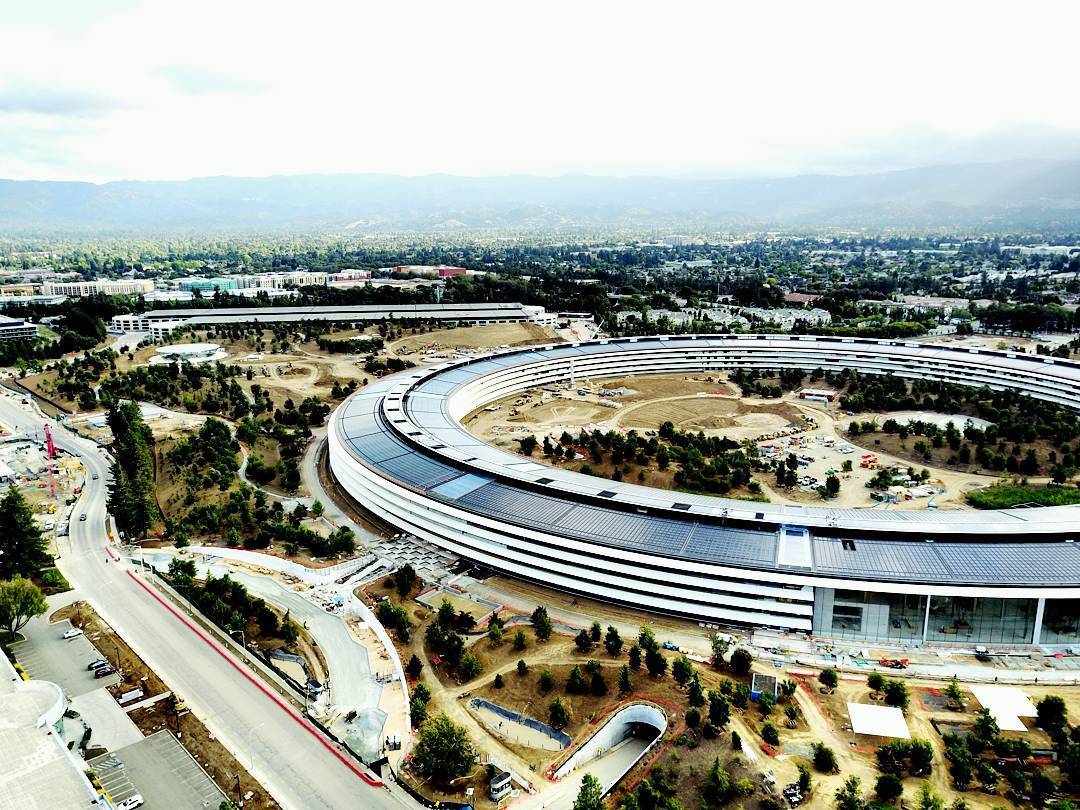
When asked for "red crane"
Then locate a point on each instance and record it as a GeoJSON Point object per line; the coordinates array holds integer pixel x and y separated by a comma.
{"type": "Point", "coordinates": [50, 448]}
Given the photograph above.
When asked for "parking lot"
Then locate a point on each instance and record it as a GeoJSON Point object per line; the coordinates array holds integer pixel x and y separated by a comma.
{"type": "Point", "coordinates": [49, 657]}
{"type": "Point", "coordinates": [161, 771]}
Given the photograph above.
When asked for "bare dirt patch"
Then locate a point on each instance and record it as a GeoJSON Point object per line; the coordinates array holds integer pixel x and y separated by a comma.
{"type": "Point", "coordinates": [473, 337]}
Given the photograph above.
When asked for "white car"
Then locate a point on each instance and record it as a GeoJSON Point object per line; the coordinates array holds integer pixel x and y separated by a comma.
{"type": "Point", "coordinates": [130, 803]}
{"type": "Point", "coordinates": [74, 631]}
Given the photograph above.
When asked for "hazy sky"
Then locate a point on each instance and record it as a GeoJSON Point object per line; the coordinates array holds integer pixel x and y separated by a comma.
{"type": "Point", "coordinates": [109, 89]}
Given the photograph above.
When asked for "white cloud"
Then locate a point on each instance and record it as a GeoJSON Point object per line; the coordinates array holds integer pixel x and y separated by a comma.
{"type": "Point", "coordinates": [153, 90]}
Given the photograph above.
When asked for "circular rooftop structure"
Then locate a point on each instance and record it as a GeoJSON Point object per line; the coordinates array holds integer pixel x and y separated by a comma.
{"type": "Point", "coordinates": [188, 353]}
{"type": "Point", "coordinates": [1008, 576]}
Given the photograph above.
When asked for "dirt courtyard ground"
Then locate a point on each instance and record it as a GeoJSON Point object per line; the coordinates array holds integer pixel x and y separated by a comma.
{"type": "Point", "coordinates": [816, 432]}
{"type": "Point", "coordinates": [436, 343]}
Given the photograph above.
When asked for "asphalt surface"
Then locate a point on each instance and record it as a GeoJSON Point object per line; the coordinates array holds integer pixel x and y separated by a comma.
{"type": "Point", "coordinates": [280, 749]}
{"type": "Point", "coordinates": [160, 770]}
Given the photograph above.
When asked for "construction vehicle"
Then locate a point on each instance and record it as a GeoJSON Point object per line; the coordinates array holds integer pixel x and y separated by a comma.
{"type": "Point", "coordinates": [894, 663]}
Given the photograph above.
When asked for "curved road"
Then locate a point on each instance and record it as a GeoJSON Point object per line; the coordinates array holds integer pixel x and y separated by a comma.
{"type": "Point", "coordinates": [280, 748]}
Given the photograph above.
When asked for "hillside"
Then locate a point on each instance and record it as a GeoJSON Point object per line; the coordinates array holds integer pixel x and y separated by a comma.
{"type": "Point", "coordinates": [992, 195]}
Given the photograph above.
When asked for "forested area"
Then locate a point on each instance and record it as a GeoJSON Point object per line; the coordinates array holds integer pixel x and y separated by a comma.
{"type": "Point", "coordinates": [132, 500]}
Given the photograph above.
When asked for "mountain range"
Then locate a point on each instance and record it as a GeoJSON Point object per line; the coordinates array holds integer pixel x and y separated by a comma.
{"type": "Point", "coordinates": [1028, 193]}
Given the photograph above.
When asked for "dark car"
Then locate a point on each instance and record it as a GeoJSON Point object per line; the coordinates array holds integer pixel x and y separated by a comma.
{"type": "Point", "coordinates": [102, 672]}
{"type": "Point", "coordinates": [100, 662]}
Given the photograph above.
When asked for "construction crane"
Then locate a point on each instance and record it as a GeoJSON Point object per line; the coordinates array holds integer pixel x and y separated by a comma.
{"type": "Point", "coordinates": [50, 448]}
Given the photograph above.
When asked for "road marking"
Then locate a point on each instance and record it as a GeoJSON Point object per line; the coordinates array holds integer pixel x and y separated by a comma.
{"type": "Point", "coordinates": [251, 678]}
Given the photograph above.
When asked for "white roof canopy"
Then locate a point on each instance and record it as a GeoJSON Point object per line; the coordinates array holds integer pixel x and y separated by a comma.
{"type": "Point", "coordinates": [878, 721]}
{"type": "Point", "coordinates": [1006, 704]}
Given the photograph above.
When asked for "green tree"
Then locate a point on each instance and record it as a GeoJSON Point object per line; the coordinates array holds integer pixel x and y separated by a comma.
{"type": "Point", "coordinates": [769, 734]}
{"type": "Point", "coordinates": [824, 758]}
{"type": "Point", "coordinates": [20, 601]}
{"type": "Point", "coordinates": [591, 796]}
{"type": "Point", "coordinates": [828, 678]}
{"type": "Point", "coordinates": [23, 550]}
{"type": "Point", "coordinates": [1051, 714]}
{"type": "Point", "coordinates": [558, 714]}
{"type": "Point", "coordinates": [682, 670]}
{"type": "Point", "coordinates": [876, 681]}
{"type": "Point", "coordinates": [443, 751]}
{"type": "Point", "coordinates": [132, 500]}
{"type": "Point", "coordinates": [635, 657]}
{"type": "Point", "coordinates": [625, 684]}
{"type": "Point", "coordinates": [928, 800]}
{"type": "Point", "coordinates": [849, 796]}
{"type": "Point", "coordinates": [613, 642]}
{"type": "Point", "coordinates": [741, 661]}
{"type": "Point", "coordinates": [719, 649]}
{"type": "Point", "coordinates": [896, 694]}
{"type": "Point", "coordinates": [495, 634]}
{"type": "Point", "coordinates": [542, 625]}
{"type": "Point", "coordinates": [575, 682]}
{"type": "Point", "coordinates": [888, 787]}
{"type": "Point", "coordinates": [693, 717]}
{"type": "Point", "coordinates": [954, 693]}
{"type": "Point", "coordinates": [583, 641]}
{"type": "Point", "coordinates": [546, 681]}
{"type": "Point", "coordinates": [805, 780]}
{"type": "Point", "coordinates": [519, 640]}
{"type": "Point", "coordinates": [470, 666]}
{"type": "Point", "coordinates": [404, 578]}
{"type": "Point", "coordinates": [522, 667]}
{"type": "Point", "coordinates": [595, 633]}
{"type": "Point", "coordinates": [717, 788]}
{"type": "Point", "coordinates": [719, 710]}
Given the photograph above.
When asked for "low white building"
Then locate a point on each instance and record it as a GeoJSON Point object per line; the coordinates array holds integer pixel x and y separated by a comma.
{"type": "Point", "coordinates": [194, 353]}
{"type": "Point", "coordinates": [105, 286]}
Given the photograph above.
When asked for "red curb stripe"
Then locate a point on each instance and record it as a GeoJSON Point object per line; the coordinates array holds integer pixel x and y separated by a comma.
{"type": "Point", "coordinates": [251, 678]}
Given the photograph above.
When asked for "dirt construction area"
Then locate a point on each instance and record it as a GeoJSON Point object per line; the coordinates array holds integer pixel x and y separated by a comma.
{"type": "Point", "coordinates": [816, 432]}
{"type": "Point", "coordinates": [493, 336]}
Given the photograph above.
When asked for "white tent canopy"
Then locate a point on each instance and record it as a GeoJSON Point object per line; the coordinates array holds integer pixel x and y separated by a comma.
{"type": "Point", "coordinates": [878, 721]}
{"type": "Point", "coordinates": [1006, 704]}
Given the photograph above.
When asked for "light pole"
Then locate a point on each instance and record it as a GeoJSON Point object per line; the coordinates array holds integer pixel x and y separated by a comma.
{"type": "Point", "coordinates": [243, 638]}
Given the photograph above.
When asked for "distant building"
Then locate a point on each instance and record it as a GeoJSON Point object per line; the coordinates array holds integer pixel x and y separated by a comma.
{"type": "Point", "coordinates": [798, 298]}
{"type": "Point", "coordinates": [80, 289]}
{"type": "Point", "coordinates": [347, 276]}
{"type": "Point", "coordinates": [440, 270]}
{"type": "Point", "coordinates": [200, 284]}
{"type": "Point", "coordinates": [17, 329]}
{"type": "Point", "coordinates": [817, 394]}
{"type": "Point", "coordinates": [161, 322]}
{"type": "Point", "coordinates": [192, 353]}
{"type": "Point", "coordinates": [24, 300]}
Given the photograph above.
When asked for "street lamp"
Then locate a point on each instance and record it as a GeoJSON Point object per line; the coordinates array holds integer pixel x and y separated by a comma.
{"type": "Point", "coordinates": [243, 638]}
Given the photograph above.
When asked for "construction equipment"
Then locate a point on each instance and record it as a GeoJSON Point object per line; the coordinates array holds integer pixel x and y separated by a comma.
{"type": "Point", "coordinates": [50, 448]}
{"type": "Point", "coordinates": [894, 663]}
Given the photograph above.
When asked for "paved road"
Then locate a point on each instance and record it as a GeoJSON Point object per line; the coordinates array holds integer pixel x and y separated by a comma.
{"type": "Point", "coordinates": [346, 658]}
{"type": "Point", "coordinates": [278, 748]}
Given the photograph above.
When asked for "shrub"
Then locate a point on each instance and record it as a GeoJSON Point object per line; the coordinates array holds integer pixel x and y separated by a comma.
{"type": "Point", "coordinates": [769, 734]}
